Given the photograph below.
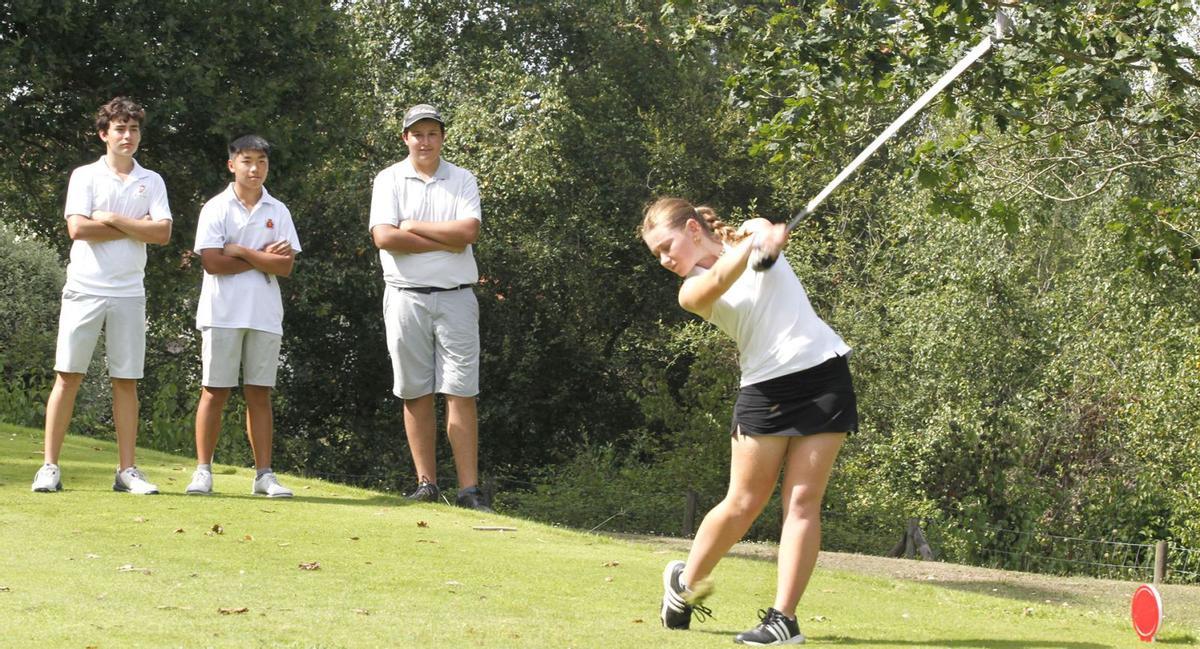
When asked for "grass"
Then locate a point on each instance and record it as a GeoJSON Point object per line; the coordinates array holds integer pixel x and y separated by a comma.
{"type": "Point", "coordinates": [88, 567]}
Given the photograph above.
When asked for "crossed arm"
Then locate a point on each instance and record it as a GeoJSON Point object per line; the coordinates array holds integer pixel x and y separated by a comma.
{"type": "Point", "coordinates": [426, 236]}
{"type": "Point", "coordinates": [274, 259]}
{"type": "Point", "coordinates": [110, 226]}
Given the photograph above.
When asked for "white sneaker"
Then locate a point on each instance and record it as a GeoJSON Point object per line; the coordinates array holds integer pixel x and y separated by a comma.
{"type": "Point", "coordinates": [48, 479]}
{"type": "Point", "coordinates": [268, 485]}
{"type": "Point", "coordinates": [201, 483]}
{"type": "Point", "coordinates": [133, 481]}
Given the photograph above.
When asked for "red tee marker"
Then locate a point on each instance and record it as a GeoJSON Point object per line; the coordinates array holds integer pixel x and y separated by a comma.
{"type": "Point", "coordinates": [1146, 609]}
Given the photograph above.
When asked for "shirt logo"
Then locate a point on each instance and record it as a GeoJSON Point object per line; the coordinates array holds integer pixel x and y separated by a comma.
{"type": "Point", "coordinates": [140, 190]}
{"type": "Point", "coordinates": [270, 223]}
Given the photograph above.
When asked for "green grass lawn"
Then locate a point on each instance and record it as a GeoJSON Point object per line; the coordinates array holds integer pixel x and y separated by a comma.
{"type": "Point", "coordinates": [89, 567]}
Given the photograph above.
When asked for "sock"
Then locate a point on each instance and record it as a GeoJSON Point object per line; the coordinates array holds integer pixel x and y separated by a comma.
{"type": "Point", "coordinates": [204, 467]}
{"type": "Point", "coordinates": [263, 471]}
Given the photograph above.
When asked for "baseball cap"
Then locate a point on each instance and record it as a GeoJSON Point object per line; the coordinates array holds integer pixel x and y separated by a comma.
{"type": "Point", "coordinates": [420, 112]}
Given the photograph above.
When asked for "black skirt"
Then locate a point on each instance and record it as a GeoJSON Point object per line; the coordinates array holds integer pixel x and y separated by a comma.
{"type": "Point", "coordinates": [816, 400]}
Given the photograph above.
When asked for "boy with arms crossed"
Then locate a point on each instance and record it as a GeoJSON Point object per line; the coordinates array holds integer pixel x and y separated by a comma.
{"type": "Point", "coordinates": [245, 237]}
{"type": "Point", "coordinates": [114, 208]}
{"type": "Point", "coordinates": [424, 217]}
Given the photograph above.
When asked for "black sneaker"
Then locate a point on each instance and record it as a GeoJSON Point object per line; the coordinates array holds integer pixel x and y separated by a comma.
{"type": "Point", "coordinates": [426, 492]}
{"type": "Point", "coordinates": [473, 498]}
{"type": "Point", "coordinates": [676, 609]}
{"type": "Point", "coordinates": [775, 629]}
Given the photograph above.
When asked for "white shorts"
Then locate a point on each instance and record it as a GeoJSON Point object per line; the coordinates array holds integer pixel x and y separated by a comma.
{"type": "Point", "coordinates": [225, 350]}
{"type": "Point", "coordinates": [433, 340]}
{"type": "Point", "coordinates": [123, 320]}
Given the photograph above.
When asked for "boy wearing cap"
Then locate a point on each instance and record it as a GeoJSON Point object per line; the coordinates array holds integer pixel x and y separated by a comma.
{"type": "Point", "coordinates": [114, 208]}
{"type": "Point", "coordinates": [424, 217]}
{"type": "Point", "coordinates": [245, 238]}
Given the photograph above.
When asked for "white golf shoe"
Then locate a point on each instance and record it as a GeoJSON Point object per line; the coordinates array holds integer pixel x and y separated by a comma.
{"type": "Point", "coordinates": [132, 481]}
{"type": "Point", "coordinates": [268, 485]}
{"type": "Point", "coordinates": [48, 479]}
{"type": "Point", "coordinates": [201, 484]}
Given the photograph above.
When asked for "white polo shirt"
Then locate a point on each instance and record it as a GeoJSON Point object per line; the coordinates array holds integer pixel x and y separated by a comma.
{"type": "Point", "coordinates": [777, 332]}
{"type": "Point", "coordinates": [112, 268]}
{"type": "Point", "coordinates": [452, 194]}
{"type": "Point", "coordinates": [248, 300]}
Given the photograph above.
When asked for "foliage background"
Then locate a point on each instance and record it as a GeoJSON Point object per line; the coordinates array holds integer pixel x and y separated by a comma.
{"type": "Point", "coordinates": [1015, 271]}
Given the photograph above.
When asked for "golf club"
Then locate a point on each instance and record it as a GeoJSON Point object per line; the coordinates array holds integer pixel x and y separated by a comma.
{"type": "Point", "coordinates": [1001, 27]}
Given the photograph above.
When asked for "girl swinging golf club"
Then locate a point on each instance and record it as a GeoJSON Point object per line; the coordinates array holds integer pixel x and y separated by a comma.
{"type": "Point", "coordinates": [794, 409]}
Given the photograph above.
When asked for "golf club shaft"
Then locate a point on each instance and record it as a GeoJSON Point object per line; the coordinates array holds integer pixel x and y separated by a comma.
{"type": "Point", "coordinates": [1001, 26]}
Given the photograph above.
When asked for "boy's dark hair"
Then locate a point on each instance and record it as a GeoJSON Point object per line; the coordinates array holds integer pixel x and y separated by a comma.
{"type": "Point", "coordinates": [249, 143]}
{"type": "Point", "coordinates": [119, 108]}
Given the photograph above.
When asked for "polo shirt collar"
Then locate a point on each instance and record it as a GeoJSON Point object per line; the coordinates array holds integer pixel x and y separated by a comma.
{"type": "Point", "coordinates": [408, 171]}
{"type": "Point", "coordinates": [137, 172]}
{"type": "Point", "coordinates": [267, 198]}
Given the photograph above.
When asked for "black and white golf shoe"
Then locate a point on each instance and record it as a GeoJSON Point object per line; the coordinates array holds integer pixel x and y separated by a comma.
{"type": "Point", "coordinates": [676, 608]}
{"type": "Point", "coordinates": [775, 629]}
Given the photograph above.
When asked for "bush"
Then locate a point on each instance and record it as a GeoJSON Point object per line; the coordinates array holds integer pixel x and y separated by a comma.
{"type": "Point", "coordinates": [29, 299]}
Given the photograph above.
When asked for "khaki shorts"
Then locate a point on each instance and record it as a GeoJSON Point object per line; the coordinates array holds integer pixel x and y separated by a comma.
{"type": "Point", "coordinates": [224, 350]}
{"type": "Point", "coordinates": [433, 340]}
{"type": "Point", "coordinates": [83, 317]}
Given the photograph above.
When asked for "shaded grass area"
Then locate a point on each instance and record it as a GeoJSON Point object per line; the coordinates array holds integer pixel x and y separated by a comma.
{"type": "Point", "coordinates": [90, 567]}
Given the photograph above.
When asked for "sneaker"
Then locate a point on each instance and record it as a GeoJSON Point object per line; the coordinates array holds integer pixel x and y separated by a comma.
{"type": "Point", "coordinates": [133, 481]}
{"type": "Point", "coordinates": [426, 492]}
{"type": "Point", "coordinates": [774, 629]}
{"type": "Point", "coordinates": [473, 498]}
{"type": "Point", "coordinates": [678, 604]}
{"type": "Point", "coordinates": [268, 485]}
{"type": "Point", "coordinates": [201, 484]}
{"type": "Point", "coordinates": [48, 479]}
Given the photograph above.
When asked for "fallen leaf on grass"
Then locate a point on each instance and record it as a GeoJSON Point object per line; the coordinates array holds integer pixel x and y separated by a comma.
{"type": "Point", "coordinates": [247, 538]}
{"type": "Point", "coordinates": [362, 611]}
{"type": "Point", "coordinates": [139, 519]}
{"type": "Point", "coordinates": [217, 529]}
{"type": "Point", "coordinates": [608, 579]}
{"type": "Point", "coordinates": [129, 567]}
{"type": "Point", "coordinates": [453, 583]}
{"type": "Point", "coordinates": [232, 611]}
{"type": "Point", "coordinates": [426, 541]}
{"type": "Point", "coordinates": [819, 618]}
{"type": "Point", "coordinates": [611, 564]}
{"type": "Point", "coordinates": [92, 556]}
{"type": "Point", "coordinates": [179, 530]}
{"type": "Point", "coordinates": [422, 524]}
{"type": "Point", "coordinates": [284, 544]}
{"type": "Point", "coordinates": [638, 621]}
{"type": "Point", "coordinates": [5, 589]}
{"type": "Point", "coordinates": [354, 538]}
{"type": "Point", "coordinates": [310, 565]}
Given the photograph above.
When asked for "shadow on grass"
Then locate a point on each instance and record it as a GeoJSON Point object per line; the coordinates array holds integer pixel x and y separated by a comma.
{"type": "Point", "coordinates": [984, 643]}
{"type": "Point", "coordinates": [987, 643]}
{"type": "Point", "coordinates": [371, 501]}
{"type": "Point", "coordinates": [1010, 590]}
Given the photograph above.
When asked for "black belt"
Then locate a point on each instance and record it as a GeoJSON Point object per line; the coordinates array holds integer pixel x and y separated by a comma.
{"type": "Point", "coordinates": [426, 290]}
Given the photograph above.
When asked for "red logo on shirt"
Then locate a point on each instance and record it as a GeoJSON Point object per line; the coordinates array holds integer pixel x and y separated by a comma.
{"type": "Point", "coordinates": [270, 223]}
